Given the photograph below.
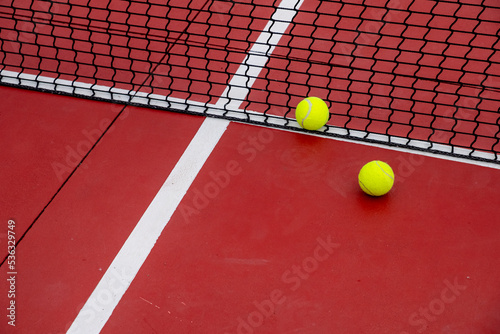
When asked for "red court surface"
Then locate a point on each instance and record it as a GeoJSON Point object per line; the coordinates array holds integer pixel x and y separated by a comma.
{"type": "Point", "coordinates": [273, 236]}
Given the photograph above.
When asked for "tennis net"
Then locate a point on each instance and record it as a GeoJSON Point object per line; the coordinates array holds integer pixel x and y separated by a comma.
{"type": "Point", "coordinates": [423, 75]}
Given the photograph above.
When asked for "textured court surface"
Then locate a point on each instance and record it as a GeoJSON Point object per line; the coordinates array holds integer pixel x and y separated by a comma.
{"type": "Point", "coordinates": [273, 235]}
{"type": "Point", "coordinates": [272, 215]}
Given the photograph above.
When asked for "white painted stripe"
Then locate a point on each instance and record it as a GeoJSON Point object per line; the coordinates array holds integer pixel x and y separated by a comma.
{"type": "Point", "coordinates": [135, 250]}
{"type": "Point", "coordinates": [118, 277]}
{"type": "Point", "coordinates": [258, 55]}
{"type": "Point", "coordinates": [98, 308]}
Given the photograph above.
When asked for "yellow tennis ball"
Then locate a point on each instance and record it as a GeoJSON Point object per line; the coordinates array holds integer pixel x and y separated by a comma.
{"type": "Point", "coordinates": [312, 113]}
{"type": "Point", "coordinates": [376, 178]}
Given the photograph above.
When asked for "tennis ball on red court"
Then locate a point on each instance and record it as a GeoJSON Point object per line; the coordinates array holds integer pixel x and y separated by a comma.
{"type": "Point", "coordinates": [376, 178]}
{"type": "Point", "coordinates": [312, 113]}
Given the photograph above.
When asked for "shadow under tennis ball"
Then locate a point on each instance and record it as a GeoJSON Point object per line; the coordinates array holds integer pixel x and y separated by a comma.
{"type": "Point", "coordinates": [375, 208]}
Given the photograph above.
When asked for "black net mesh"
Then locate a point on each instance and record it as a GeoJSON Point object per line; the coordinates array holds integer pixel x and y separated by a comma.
{"type": "Point", "coordinates": [419, 74]}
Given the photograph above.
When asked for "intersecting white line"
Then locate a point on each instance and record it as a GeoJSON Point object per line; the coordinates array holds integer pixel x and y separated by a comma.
{"type": "Point", "coordinates": [127, 263]}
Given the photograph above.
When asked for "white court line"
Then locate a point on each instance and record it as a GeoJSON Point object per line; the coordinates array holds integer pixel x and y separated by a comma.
{"type": "Point", "coordinates": [127, 263]}
{"type": "Point", "coordinates": [105, 297]}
